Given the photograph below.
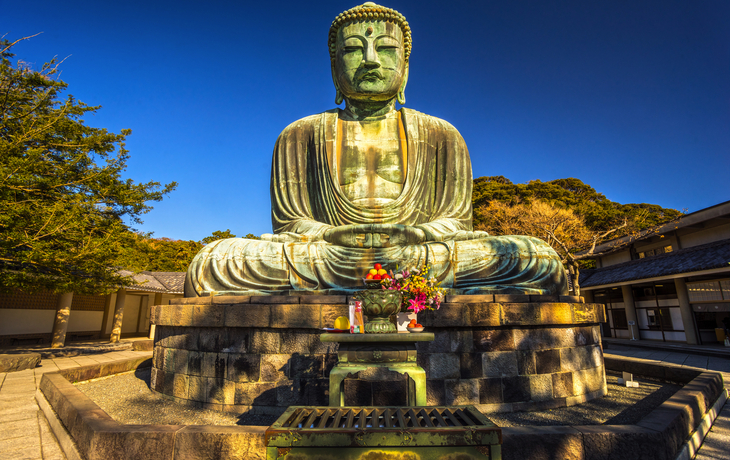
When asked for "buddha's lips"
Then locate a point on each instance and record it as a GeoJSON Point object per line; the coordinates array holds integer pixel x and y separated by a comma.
{"type": "Point", "coordinates": [371, 76]}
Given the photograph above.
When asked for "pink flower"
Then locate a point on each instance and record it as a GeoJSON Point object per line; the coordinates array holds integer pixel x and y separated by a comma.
{"type": "Point", "coordinates": [415, 306]}
{"type": "Point", "coordinates": [419, 303]}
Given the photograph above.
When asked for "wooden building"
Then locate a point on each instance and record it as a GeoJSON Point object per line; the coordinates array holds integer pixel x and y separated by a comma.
{"type": "Point", "coordinates": [672, 284]}
{"type": "Point", "coordinates": [32, 318]}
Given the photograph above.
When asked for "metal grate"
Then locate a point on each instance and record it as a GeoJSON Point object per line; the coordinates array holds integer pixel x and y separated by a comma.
{"type": "Point", "coordinates": [305, 418]}
{"type": "Point", "coordinates": [353, 432]}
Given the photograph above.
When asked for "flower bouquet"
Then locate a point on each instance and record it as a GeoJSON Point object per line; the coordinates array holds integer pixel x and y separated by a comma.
{"type": "Point", "coordinates": [420, 291]}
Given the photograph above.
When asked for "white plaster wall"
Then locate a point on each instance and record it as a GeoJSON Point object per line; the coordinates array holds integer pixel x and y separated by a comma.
{"type": "Point", "coordinates": [642, 319]}
{"type": "Point", "coordinates": [645, 303]}
{"type": "Point", "coordinates": [85, 321]}
{"type": "Point", "coordinates": [616, 258]}
{"type": "Point", "coordinates": [26, 321]}
{"type": "Point", "coordinates": [131, 309]}
{"type": "Point", "coordinates": [709, 235]}
{"type": "Point", "coordinates": [651, 335]}
{"type": "Point", "coordinates": [675, 336]}
{"type": "Point", "coordinates": [642, 246]}
{"type": "Point", "coordinates": [676, 315]}
{"type": "Point", "coordinates": [623, 334]}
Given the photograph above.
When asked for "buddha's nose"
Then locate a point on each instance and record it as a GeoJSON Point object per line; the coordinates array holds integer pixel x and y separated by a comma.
{"type": "Point", "coordinates": [370, 59]}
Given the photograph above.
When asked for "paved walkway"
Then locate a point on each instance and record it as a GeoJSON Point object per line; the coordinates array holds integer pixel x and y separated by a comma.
{"type": "Point", "coordinates": [717, 442]}
{"type": "Point", "coordinates": [24, 431]}
{"type": "Point", "coordinates": [25, 434]}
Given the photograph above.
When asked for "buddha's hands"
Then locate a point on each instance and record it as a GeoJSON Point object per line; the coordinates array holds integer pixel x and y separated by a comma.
{"type": "Point", "coordinates": [463, 236]}
{"type": "Point", "coordinates": [374, 235]}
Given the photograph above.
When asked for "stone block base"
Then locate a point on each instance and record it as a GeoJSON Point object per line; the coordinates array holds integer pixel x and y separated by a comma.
{"type": "Point", "coordinates": [679, 422]}
{"type": "Point", "coordinates": [236, 353]}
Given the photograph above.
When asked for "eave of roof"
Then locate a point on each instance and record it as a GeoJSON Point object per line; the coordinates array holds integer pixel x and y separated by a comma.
{"type": "Point", "coordinates": [688, 220]}
{"type": "Point", "coordinates": [715, 255]}
{"type": "Point", "coordinates": [163, 282]}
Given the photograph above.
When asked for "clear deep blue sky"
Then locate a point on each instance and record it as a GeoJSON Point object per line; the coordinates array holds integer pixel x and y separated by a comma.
{"type": "Point", "coordinates": [632, 97]}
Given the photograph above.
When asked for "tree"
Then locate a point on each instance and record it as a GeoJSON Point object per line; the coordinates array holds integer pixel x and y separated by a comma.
{"type": "Point", "coordinates": [63, 200]}
{"type": "Point", "coordinates": [144, 253]}
{"type": "Point", "coordinates": [563, 229]}
{"type": "Point", "coordinates": [221, 235]}
{"type": "Point", "coordinates": [599, 213]}
{"type": "Point", "coordinates": [218, 235]}
{"type": "Point", "coordinates": [141, 252]}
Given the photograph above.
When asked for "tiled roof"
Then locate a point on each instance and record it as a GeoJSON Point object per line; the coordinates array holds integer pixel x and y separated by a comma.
{"type": "Point", "coordinates": [165, 282]}
{"type": "Point", "coordinates": [704, 257]}
{"type": "Point", "coordinates": [173, 281]}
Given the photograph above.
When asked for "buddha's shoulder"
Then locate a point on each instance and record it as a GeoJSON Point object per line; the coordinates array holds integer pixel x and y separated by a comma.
{"type": "Point", "coordinates": [309, 123]}
{"type": "Point", "coordinates": [430, 122]}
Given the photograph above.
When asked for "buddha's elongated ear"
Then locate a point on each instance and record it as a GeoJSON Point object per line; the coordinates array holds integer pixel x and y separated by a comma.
{"type": "Point", "coordinates": [401, 96]}
{"type": "Point", "coordinates": [338, 95]}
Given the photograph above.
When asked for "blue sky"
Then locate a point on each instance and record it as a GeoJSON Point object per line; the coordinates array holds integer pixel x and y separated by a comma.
{"type": "Point", "coordinates": [631, 97]}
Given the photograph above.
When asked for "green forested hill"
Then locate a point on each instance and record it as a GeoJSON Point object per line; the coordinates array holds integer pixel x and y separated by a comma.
{"type": "Point", "coordinates": [598, 212]}
{"type": "Point", "coordinates": [595, 213]}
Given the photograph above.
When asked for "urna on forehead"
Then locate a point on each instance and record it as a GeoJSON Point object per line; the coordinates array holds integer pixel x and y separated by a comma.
{"type": "Point", "coordinates": [369, 27]}
{"type": "Point", "coordinates": [369, 12]}
{"type": "Point", "coordinates": [372, 29]}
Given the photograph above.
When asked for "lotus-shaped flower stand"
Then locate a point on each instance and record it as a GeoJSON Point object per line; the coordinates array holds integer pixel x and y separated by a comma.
{"type": "Point", "coordinates": [378, 305]}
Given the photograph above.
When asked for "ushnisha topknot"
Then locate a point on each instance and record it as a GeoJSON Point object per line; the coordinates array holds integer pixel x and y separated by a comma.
{"type": "Point", "coordinates": [369, 11]}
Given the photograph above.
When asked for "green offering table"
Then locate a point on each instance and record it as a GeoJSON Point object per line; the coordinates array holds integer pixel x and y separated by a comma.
{"type": "Point", "coordinates": [396, 352]}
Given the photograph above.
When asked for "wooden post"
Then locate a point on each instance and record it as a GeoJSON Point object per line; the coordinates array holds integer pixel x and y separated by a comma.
{"type": "Point", "coordinates": [107, 307]}
{"type": "Point", "coordinates": [688, 316]}
{"type": "Point", "coordinates": [60, 324]}
{"type": "Point", "coordinates": [630, 306]}
{"type": "Point", "coordinates": [118, 315]}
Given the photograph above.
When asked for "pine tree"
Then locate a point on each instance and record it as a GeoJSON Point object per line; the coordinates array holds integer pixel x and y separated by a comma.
{"type": "Point", "coordinates": [63, 200]}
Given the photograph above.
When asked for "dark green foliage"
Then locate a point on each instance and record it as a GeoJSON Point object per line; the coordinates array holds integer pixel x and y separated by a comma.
{"type": "Point", "coordinates": [62, 195]}
{"type": "Point", "coordinates": [599, 213]}
{"type": "Point", "coordinates": [218, 235]}
{"type": "Point", "coordinates": [570, 215]}
{"type": "Point", "coordinates": [144, 253]}
{"type": "Point", "coordinates": [141, 252]}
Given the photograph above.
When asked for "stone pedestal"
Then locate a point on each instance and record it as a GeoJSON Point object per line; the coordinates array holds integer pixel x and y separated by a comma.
{"type": "Point", "coordinates": [263, 354]}
{"type": "Point", "coordinates": [372, 352]}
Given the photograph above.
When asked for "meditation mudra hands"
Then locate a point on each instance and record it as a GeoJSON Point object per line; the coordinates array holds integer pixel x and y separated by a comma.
{"type": "Point", "coordinates": [374, 235]}
{"type": "Point", "coordinates": [389, 235]}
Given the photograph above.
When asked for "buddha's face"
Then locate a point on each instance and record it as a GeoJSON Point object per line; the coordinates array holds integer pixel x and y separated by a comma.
{"type": "Point", "coordinates": [370, 62]}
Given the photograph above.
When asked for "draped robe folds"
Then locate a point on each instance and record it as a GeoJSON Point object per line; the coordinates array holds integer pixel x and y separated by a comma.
{"type": "Point", "coordinates": [306, 201]}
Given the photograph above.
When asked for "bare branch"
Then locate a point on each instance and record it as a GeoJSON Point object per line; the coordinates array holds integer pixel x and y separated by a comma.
{"type": "Point", "coordinates": [4, 50]}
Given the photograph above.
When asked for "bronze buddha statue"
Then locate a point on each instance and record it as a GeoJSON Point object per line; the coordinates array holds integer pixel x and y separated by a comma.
{"type": "Point", "coordinates": [369, 183]}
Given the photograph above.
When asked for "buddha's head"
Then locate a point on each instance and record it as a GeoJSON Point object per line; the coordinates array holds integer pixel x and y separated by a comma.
{"type": "Point", "coordinates": [369, 49]}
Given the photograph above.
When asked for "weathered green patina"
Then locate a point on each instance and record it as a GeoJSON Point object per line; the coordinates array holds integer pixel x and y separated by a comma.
{"type": "Point", "coordinates": [378, 305]}
{"type": "Point", "coordinates": [369, 183]}
{"type": "Point", "coordinates": [395, 352]}
{"type": "Point", "coordinates": [393, 433]}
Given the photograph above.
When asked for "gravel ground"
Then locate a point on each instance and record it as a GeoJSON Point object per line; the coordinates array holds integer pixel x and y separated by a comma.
{"type": "Point", "coordinates": [128, 399]}
{"type": "Point", "coordinates": [621, 406]}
